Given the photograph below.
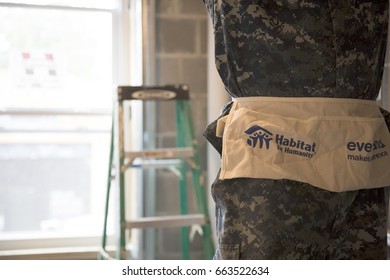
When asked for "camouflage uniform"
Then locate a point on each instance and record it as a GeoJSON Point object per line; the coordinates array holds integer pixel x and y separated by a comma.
{"type": "Point", "coordinates": [298, 48]}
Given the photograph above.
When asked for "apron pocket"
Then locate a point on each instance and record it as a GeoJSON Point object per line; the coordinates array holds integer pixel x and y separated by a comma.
{"type": "Point", "coordinates": [336, 153]}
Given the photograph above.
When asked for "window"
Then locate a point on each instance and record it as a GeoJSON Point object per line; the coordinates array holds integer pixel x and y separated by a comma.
{"type": "Point", "coordinates": [56, 86]}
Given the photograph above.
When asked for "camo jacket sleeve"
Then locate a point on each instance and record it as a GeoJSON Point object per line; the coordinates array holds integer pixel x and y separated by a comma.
{"type": "Point", "coordinates": [310, 48]}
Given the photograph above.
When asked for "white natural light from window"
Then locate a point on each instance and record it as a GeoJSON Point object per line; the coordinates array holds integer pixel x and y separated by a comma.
{"type": "Point", "coordinates": [101, 4]}
{"type": "Point", "coordinates": [56, 89]}
{"type": "Point", "coordinates": [55, 59]}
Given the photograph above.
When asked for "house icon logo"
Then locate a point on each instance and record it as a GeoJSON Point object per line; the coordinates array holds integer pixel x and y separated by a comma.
{"type": "Point", "coordinates": [258, 136]}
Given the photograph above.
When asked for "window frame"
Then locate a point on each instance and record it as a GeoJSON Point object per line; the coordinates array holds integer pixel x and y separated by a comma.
{"type": "Point", "coordinates": [126, 27]}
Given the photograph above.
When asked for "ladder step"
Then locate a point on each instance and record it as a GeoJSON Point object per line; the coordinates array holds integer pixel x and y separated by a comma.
{"type": "Point", "coordinates": [167, 221]}
{"type": "Point", "coordinates": [161, 153]}
{"type": "Point", "coordinates": [155, 163]}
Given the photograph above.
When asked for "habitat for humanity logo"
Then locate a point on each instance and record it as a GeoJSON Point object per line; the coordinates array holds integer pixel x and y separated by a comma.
{"type": "Point", "coordinates": [259, 136]}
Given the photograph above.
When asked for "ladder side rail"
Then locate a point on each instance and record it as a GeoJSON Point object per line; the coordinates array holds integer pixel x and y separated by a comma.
{"type": "Point", "coordinates": [121, 248]}
{"type": "Point", "coordinates": [199, 188]}
{"type": "Point", "coordinates": [180, 142]}
{"type": "Point", "coordinates": [102, 251]}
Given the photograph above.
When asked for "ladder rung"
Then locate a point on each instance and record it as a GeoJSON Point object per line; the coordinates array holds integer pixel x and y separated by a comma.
{"type": "Point", "coordinates": [167, 221]}
{"type": "Point", "coordinates": [156, 163]}
{"type": "Point", "coordinates": [161, 153]}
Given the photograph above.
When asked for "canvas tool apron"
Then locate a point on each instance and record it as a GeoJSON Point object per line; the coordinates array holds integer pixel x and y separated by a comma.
{"type": "Point", "coordinates": [335, 144]}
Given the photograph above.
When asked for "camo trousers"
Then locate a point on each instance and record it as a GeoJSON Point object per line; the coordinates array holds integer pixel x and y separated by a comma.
{"type": "Point", "coordinates": [283, 219]}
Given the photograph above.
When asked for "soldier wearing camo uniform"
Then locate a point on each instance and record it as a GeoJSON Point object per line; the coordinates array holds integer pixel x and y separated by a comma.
{"type": "Point", "coordinates": [298, 48]}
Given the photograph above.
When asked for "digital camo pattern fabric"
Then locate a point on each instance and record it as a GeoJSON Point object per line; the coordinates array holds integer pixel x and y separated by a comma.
{"type": "Point", "coordinates": [298, 48]}
{"type": "Point", "coordinates": [317, 48]}
{"type": "Point", "coordinates": [282, 219]}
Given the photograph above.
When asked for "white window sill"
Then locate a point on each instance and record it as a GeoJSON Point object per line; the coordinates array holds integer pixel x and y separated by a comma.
{"type": "Point", "coordinates": [69, 253]}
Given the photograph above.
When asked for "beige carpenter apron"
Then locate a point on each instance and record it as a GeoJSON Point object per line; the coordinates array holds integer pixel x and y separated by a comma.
{"type": "Point", "coordinates": [331, 143]}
